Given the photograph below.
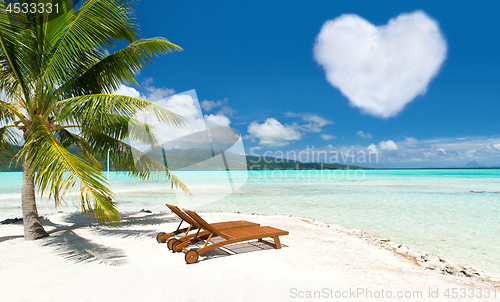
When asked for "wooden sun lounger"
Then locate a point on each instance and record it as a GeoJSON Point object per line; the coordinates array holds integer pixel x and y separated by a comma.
{"type": "Point", "coordinates": [193, 225]}
{"type": "Point", "coordinates": [230, 237]}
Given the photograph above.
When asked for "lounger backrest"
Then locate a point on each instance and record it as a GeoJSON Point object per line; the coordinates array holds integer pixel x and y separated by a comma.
{"type": "Point", "coordinates": [205, 225]}
{"type": "Point", "coordinates": [183, 215]}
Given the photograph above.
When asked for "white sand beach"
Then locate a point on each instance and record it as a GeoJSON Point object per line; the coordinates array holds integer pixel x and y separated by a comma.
{"type": "Point", "coordinates": [83, 261]}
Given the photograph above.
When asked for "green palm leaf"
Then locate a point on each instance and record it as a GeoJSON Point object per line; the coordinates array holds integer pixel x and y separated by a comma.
{"type": "Point", "coordinates": [119, 67]}
{"type": "Point", "coordinates": [97, 108]}
{"type": "Point", "coordinates": [56, 170]}
{"type": "Point", "coordinates": [56, 85]}
{"type": "Point", "coordinates": [98, 23]}
{"type": "Point", "coordinates": [8, 139]}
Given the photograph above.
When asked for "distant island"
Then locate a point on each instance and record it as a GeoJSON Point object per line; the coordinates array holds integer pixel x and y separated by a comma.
{"type": "Point", "coordinates": [208, 160]}
{"type": "Point", "coordinates": [473, 164]}
{"type": "Point", "coordinates": [202, 159]}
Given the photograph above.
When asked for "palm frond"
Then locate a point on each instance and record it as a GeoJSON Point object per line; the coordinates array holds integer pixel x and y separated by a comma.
{"type": "Point", "coordinates": [8, 112]}
{"type": "Point", "coordinates": [97, 24]}
{"type": "Point", "coordinates": [97, 108]}
{"type": "Point", "coordinates": [15, 52]}
{"type": "Point", "coordinates": [6, 115]}
{"type": "Point", "coordinates": [119, 67]}
{"type": "Point", "coordinates": [55, 74]}
{"type": "Point", "coordinates": [8, 139]}
{"type": "Point", "coordinates": [123, 156]}
{"type": "Point", "coordinates": [8, 82]}
{"type": "Point", "coordinates": [57, 171]}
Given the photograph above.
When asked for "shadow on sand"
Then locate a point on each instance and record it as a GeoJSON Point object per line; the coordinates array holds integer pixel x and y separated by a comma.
{"type": "Point", "coordinates": [68, 244]}
{"type": "Point", "coordinates": [71, 246]}
{"type": "Point", "coordinates": [235, 249]}
{"type": "Point", "coordinates": [79, 249]}
{"type": "Point", "coordinates": [5, 238]}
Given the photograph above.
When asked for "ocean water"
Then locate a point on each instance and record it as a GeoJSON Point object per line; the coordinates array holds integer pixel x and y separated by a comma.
{"type": "Point", "coordinates": [453, 213]}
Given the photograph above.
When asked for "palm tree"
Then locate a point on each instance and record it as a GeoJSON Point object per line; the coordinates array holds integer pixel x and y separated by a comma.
{"type": "Point", "coordinates": [57, 80]}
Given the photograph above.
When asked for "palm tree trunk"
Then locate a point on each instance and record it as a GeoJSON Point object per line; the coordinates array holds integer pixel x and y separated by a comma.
{"type": "Point", "coordinates": [33, 228]}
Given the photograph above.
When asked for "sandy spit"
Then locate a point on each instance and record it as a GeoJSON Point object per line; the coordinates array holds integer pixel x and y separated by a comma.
{"type": "Point", "coordinates": [83, 261]}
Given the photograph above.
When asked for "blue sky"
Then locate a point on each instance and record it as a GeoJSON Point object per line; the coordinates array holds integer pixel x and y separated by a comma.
{"type": "Point", "coordinates": [257, 59]}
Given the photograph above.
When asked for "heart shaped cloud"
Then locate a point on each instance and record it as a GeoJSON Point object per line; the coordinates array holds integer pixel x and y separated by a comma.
{"type": "Point", "coordinates": [380, 69]}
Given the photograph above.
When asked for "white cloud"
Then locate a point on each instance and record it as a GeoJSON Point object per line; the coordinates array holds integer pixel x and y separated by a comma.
{"type": "Point", "coordinates": [183, 105]}
{"type": "Point", "coordinates": [441, 150]}
{"type": "Point", "coordinates": [327, 137]}
{"type": "Point", "coordinates": [315, 122]}
{"type": "Point", "coordinates": [363, 135]}
{"type": "Point", "coordinates": [436, 152]}
{"type": "Point", "coordinates": [470, 153]}
{"type": "Point", "coordinates": [381, 69]}
{"type": "Point", "coordinates": [411, 140]}
{"type": "Point", "coordinates": [372, 148]}
{"type": "Point", "coordinates": [128, 91]}
{"type": "Point", "coordinates": [250, 137]}
{"type": "Point", "coordinates": [225, 109]}
{"type": "Point", "coordinates": [496, 146]}
{"type": "Point", "coordinates": [157, 94]}
{"type": "Point", "coordinates": [186, 105]}
{"type": "Point", "coordinates": [153, 94]}
{"type": "Point", "coordinates": [272, 133]}
{"type": "Point", "coordinates": [209, 105]}
{"type": "Point", "coordinates": [218, 120]}
{"type": "Point", "coordinates": [388, 145]}
{"type": "Point", "coordinates": [147, 81]}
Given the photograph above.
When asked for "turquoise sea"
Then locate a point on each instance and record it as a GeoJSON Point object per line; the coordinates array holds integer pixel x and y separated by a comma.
{"type": "Point", "coordinates": [453, 213]}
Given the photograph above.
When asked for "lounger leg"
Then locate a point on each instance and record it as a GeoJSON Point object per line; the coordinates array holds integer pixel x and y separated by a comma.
{"type": "Point", "coordinates": [276, 244]}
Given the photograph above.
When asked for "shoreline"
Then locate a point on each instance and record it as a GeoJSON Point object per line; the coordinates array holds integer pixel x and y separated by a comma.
{"type": "Point", "coordinates": [128, 264]}
{"type": "Point", "coordinates": [423, 259]}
